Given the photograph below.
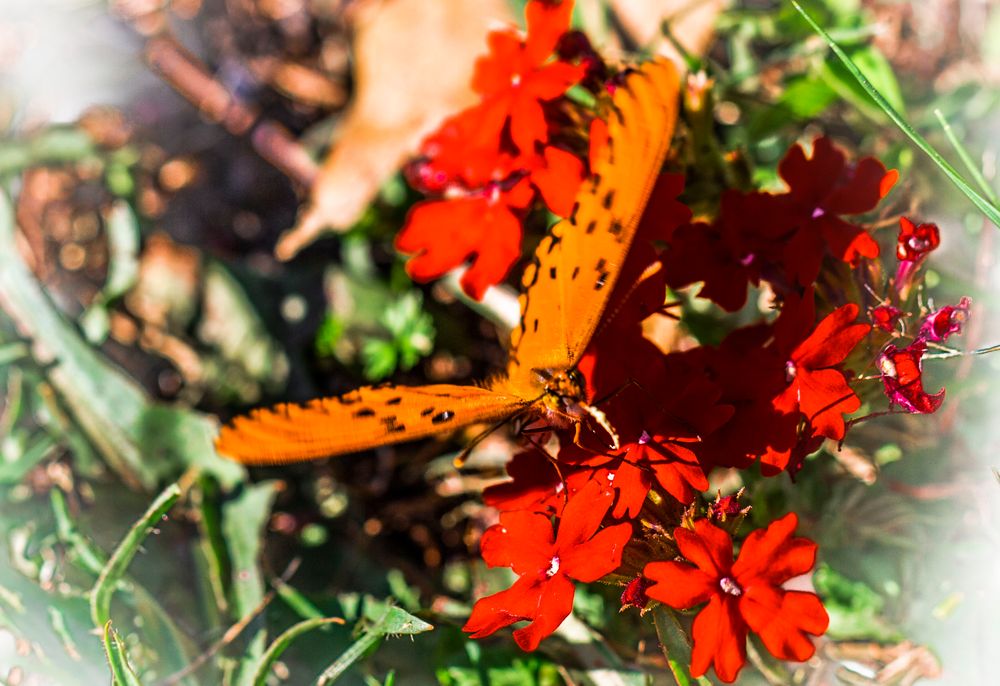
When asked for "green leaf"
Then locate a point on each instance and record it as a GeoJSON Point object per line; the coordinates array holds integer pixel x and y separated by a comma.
{"type": "Point", "coordinates": [676, 646]}
{"type": "Point", "coordinates": [123, 269]}
{"type": "Point", "coordinates": [243, 521]}
{"type": "Point", "coordinates": [114, 570]}
{"type": "Point", "coordinates": [54, 145]}
{"type": "Point", "coordinates": [121, 671]}
{"type": "Point", "coordinates": [386, 620]}
{"type": "Point", "coordinates": [987, 208]}
{"type": "Point", "coordinates": [141, 441]}
{"type": "Point", "coordinates": [876, 69]}
{"type": "Point", "coordinates": [280, 644]}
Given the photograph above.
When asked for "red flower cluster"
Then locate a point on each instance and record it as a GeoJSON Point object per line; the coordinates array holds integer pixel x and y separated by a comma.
{"type": "Point", "coordinates": [631, 510]}
{"type": "Point", "coordinates": [488, 164]}
{"type": "Point", "coordinates": [742, 596]}
{"type": "Point", "coordinates": [782, 238]}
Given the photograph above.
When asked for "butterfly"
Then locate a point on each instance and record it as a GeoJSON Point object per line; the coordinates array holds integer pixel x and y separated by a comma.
{"type": "Point", "coordinates": [565, 291]}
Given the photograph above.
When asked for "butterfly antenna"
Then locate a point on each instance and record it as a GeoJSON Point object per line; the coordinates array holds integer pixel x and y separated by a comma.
{"type": "Point", "coordinates": [463, 457]}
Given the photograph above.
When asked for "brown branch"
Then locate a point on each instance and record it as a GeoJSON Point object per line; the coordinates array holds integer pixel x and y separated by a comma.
{"type": "Point", "coordinates": [185, 73]}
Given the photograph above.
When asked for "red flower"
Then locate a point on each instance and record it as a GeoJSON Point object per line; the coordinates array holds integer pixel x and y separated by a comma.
{"type": "Point", "coordinates": [515, 78]}
{"type": "Point", "coordinates": [634, 594]}
{"type": "Point", "coordinates": [821, 188]}
{"type": "Point", "coordinates": [816, 385]}
{"type": "Point", "coordinates": [547, 565]}
{"type": "Point", "coordinates": [886, 317]}
{"type": "Point", "coordinates": [442, 234]}
{"type": "Point", "coordinates": [728, 506]}
{"type": "Point", "coordinates": [948, 320]}
{"type": "Point", "coordinates": [742, 596]}
{"type": "Point", "coordinates": [902, 378]}
{"type": "Point", "coordinates": [729, 253]}
{"type": "Point", "coordinates": [916, 241]}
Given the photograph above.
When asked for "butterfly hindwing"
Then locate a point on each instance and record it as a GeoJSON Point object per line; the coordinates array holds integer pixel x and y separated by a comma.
{"type": "Point", "coordinates": [359, 420]}
{"type": "Point", "coordinates": [566, 287]}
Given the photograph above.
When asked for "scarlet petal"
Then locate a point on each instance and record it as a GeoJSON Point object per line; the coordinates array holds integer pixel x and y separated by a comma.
{"type": "Point", "coordinates": [632, 485]}
{"type": "Point", "coordinates": [558, 180]}
{"type": "Point", "coordinates": [825, 398]}
{"type": "Point", "coordinates": [522, 541]}
{"type": "Point", "coordinates": [678, 584]}
{"type": "Point", "coordinates": [547, 22]}
{"type": "Point", "coordinates": [720, 636]}
{"type": "Point", "coordinates": [554, 605]}
{"type": "Point", "coordinates": [783, 619]}
{"type": "Point", "coordinates": [833, 339]}
{"type": "Point", "coordinates": [772, 554]}
{"type": "Point", "coordinates": [583, 515]}
{"type": "Point", "coordinates": [708, 547]}
{"type": "Point", "coordinates": [527, 123]}
{"type": "Point", "coordinates": [493, 72]}
{"type": "Point", "coordinates": [598, 557]}
{"type": "Point", "coordinates": [517, 603]}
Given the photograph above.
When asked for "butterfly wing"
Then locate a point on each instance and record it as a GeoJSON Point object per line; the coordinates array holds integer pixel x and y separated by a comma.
{"type": "Point", "coordinates": [359, 420]}
{"type": "Point", "coordinates": [566, 287]}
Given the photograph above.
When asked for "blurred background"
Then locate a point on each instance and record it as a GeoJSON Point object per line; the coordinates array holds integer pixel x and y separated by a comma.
{"type": "Point", "coordinates": [199, 200]}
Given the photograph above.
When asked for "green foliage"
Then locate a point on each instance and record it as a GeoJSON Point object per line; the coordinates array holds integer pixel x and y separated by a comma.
{"type": "Point", "coordinates": [411, 332]}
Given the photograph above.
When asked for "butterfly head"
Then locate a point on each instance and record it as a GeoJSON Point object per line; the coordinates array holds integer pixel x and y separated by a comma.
{"type": "Point", "coordinates": [562, 388]}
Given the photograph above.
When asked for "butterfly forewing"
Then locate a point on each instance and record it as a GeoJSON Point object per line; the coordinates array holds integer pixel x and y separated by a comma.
{"type": "Point", "coordinates": [566, 287]}
{"type": "Point", "coordinates": [565, 291]}
{"type": "Point", "coordinates": [360, 420]}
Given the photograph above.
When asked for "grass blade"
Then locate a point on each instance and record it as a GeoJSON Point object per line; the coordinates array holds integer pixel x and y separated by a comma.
{"type": "Point", "coordinates": [280, 644]}
{"type": "Point", "coordinates": [984, 205]}
{"type": "Point", "coordinates": [107, 581]}
{"type": "Point", "coordinates": [966, 158]}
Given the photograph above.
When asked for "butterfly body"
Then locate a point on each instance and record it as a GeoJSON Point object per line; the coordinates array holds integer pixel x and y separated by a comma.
{"type": "Point", "coordinates": [565, 291]}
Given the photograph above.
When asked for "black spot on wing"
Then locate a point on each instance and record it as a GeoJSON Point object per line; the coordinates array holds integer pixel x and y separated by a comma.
{"type": "Point", "coordinates": [442, 417]}
{"type": "Point", "coordinates": [426, 411]}
{"type": "Point", "coordinates": [394, 401]}
{"type": "Point", "coordinates": [591, 226]}
{"type": "Point", "coordinates": [364, 412]}
{"type": "Point", "coordinates": [609, 199]}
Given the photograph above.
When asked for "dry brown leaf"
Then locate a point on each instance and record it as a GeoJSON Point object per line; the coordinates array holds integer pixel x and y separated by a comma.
{"type": "Point", "coordinates": [413, 61]}
{"type": "Point", "coordinates": [692, 22]}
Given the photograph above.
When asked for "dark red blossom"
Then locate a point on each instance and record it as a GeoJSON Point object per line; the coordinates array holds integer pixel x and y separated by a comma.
{"type": "Point", "coordinates": [942, 323]}
{"type": "Point", "coordinates": [822, 189]}
{"type": "Point", "coordinates": [725, 507]}
{"type": "Point", "coordinates": [547, 563]}
{"type": "Point", "coordinates": [886, 317]}
{"type": "Point", "coordinates": [915, 241]}
{"type": "Point", "coordinates": [634, 594]}
{"type": "Point", "coordinates": [901, 370]}
{"type": "Point", "coordinates": [743, 596]}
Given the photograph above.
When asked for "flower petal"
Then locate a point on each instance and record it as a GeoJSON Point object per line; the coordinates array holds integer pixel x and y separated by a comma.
{"type": "Point", "coordinates": [522, 541]}
{"type": "Point", "coordinates": [583, 515]}
{"type": "Point", "coordinates": [678, 584]}
{"type": "Point", "coordinates": [708, 547]}
{"type": "Point", "coordinates": [783, 619]}
{"type": "Point", "coordinates": [554, 605]}
{"type": "Point", "coordinates": [772, 554]}
{"type": "Point", "coordinates": [597, 557]}
{"type": "Point", "coordinates": [720, 636]}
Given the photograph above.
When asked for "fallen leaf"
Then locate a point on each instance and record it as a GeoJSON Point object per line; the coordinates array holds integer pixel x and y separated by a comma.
{"type": "Point", "coordinates": [691, 23]}
{"type": "Point", "coordinates": [414, 61]}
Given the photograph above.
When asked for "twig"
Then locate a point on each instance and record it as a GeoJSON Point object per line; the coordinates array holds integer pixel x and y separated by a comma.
{"type": "Point", "coordinates": [232, 633]}
{"type": "Point", "coordinates": [186, 74]}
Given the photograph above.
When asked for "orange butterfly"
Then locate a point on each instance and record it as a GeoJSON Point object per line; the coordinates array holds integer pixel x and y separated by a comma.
{"type": "Point", "coordinates": [565, 291]}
